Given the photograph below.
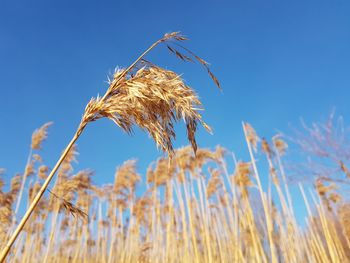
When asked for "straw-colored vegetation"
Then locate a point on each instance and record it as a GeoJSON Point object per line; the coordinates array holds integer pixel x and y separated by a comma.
{"type": "Point", "coordinates": [143, 95]}
{"type": "Point", "coordinates": [193, 208]}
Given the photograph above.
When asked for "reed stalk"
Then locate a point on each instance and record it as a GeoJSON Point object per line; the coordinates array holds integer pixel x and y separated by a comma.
{"type": "Point", "coordinates": [144, 95]}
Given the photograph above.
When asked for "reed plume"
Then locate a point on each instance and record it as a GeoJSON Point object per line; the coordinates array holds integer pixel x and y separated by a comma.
{"type": "Point", "coordinates": [39, 135]}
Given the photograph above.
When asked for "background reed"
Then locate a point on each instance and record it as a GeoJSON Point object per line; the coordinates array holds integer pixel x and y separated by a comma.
{"type": "Point", "coordinates": [194, 209]}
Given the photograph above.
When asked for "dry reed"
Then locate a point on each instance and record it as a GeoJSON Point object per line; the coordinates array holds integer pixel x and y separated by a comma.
{"type": "Point", "coordinates": [193, 210]}
{"type": "Point", "coordinates": [144, 95]}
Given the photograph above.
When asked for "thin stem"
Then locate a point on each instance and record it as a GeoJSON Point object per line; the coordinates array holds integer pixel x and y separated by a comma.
{"type": "Point", "coordinates": [24, 178]}
{"type": "Point", "coordinates": [269, 224]}
{"type": "Point", "coordinates": [23, 181]}
{"type": "Point", "coordinates": [37, 198]}
{"type": "Point", "coordinates": [131, 66]}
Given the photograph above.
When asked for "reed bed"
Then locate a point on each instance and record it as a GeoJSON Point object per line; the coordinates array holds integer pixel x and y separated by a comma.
{"type": "Point", "coordinates": [194, 208]}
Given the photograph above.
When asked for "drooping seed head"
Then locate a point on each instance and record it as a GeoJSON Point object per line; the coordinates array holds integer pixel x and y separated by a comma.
{"type": "Point", "coordinates": [152, 98]}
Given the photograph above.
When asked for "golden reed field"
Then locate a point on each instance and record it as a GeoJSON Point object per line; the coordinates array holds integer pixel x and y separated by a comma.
{"type": "Point", "coordinates": [195, 206]}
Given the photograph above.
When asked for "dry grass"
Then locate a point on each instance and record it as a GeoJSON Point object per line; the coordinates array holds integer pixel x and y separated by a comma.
{"type": "Point", "coordinates": [144, 95]}
{"type": "Point", "coordinates": [151, 97]}
{"type": "Point", "coordinates": [193, 209]}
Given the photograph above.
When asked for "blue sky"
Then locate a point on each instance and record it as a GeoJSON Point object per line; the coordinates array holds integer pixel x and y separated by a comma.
{"type": "Point", "coordinates": [277, 61]}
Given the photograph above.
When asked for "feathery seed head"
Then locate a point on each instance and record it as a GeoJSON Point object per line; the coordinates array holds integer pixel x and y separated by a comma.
{"type": "Point", "coordinates": [161, 172]}
{"type": "Point", "coordinates": [252, 137]}
{"type": "Point", "coordinates": [39, 135]}
{"type": "Point", "coordinates": [151, 98]}
{"type": "Point", "coordinates": [214, 183]}
{"type": "Point", "coordinates": [241, 177]}
{"type": "Point", "coordinates": [126, 177]}
{"type": "Point", "coordinates": [279, 144]}
{"type": "Point", "coordinates": [43, 169]}
{"type": "Point", "coordinates": [15, 184]}
{"type": "Point", "coordinates": [266, 148]}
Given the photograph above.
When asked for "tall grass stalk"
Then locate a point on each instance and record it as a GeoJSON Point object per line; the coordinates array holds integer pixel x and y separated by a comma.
{"type": "Point", "coordinates": [144, 95]}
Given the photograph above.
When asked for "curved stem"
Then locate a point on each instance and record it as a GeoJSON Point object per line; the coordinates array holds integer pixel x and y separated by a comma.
{"type": "Point", "coordinates": [37, 198]}
{"type": "Point", "coordinates": [132, 65]}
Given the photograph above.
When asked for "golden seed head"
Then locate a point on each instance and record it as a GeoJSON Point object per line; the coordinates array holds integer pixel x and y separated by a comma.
{"type": "Point", "coordinates": [43, 169]}
{"type": "Point", "coordinates": [39, 135]}
{"type": "Point", "coordinates": [126, 177]}
{"type": "Point", "coordinates": [152, 98]}
{"type": "Point", "coordinates": [251, 135]}
{"type": "Point", "coordinates": [280, 145]}
{"type": "Point", "coordinates": [215, 182]}
{"type": "Point", "coordinates": [266, 147]}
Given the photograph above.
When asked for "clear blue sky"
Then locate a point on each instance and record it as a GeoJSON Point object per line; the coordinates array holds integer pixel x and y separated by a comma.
{"type": "Point", "coordinates": [277, 61]}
